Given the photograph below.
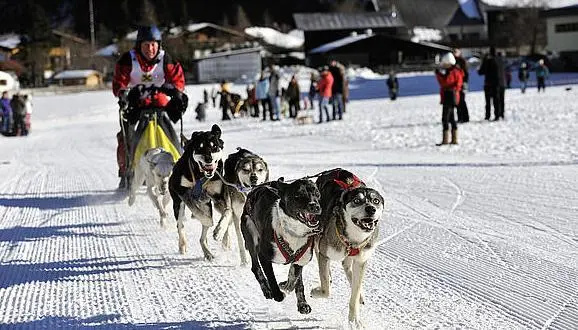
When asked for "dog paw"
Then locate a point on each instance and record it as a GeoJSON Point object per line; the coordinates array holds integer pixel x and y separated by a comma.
{"type": "Point", "coordinates": [209, 256]}
{"type": "Point", "coordinates": [319, 293]}
{"type": "Point", "coordinates": [279, 296]}
{"type": "Point", "coordinates": [131, 199]}
{"type": "Point", "coordinates": [304, 308]}
{"type": "Point", "coordinates": [356, 324]}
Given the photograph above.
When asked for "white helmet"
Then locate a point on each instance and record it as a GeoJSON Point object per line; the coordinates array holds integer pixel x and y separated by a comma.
{"type": "Point", "coordinates": [448, 60]}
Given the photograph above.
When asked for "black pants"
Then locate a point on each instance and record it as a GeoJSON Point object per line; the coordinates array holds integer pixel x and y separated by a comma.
{"type": "Point", "coordinates": [492, 96]}
{"type": "Point", "coordinates": [541, 84]}
{"type": "Point", "coordinates": [448, 117]}
{"type": "Point", "coordinates": [267, 107]}
{"type": "Point", "coordinates": [463, 113]}
{"type": "Point", "coordinates": [502, 92]}
{"type": "Point", "coordinates": [293, 107]}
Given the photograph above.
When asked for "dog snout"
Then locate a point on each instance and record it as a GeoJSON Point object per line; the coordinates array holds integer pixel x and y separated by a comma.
{"type": "Point", "coordinates": [370, 210]}
{"type": "Point", "coordinates": [253, 178]}
{"type": "Point", "coordinates": [315, 208]}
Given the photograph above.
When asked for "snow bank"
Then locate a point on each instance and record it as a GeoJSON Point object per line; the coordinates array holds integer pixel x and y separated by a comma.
{"type": "Point", "coordinates": [276, 38]}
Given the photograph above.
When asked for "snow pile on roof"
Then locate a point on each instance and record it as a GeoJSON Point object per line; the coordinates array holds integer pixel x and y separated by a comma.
{"type": "Point", "coordinates": [276, 38]}
{"type": "Point", "coordinates": [514, 3]}
{"type": "Point", "coordinates": [75, 74]}
{"type": "Point", "coordinates": [10, 41]}
{"type": "Point", "coordinates": [426, 34]}
{"type": "Point", "coordinates": [110, 50]}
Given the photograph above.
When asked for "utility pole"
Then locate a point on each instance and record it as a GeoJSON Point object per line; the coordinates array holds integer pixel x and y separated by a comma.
{"type": "Point", "coordinates": [92, 37]}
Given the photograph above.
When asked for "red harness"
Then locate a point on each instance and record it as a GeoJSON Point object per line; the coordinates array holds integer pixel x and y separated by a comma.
{"type": "Point", "coordinates": [287, 252]}
{"type": "Point", "coordinates": [349, 183]}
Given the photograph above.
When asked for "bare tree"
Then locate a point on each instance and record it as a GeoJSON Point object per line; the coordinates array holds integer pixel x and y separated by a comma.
{"type": "Point", "coordinates": [527, 27]}
{"type": "Point", "coordinates": [147, 14]}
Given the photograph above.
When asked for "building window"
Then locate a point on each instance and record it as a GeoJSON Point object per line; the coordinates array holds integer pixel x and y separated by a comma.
{"type": "Point", "coordinates": [566, 27]}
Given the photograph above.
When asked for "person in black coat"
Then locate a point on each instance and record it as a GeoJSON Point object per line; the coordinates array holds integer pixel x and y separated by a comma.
{"type": "Point", "coordinates": [494, 83]}
{"type": "Point", "coordinates": [392, 85]}
{"type": "Point", "coordinates": [462, 107]}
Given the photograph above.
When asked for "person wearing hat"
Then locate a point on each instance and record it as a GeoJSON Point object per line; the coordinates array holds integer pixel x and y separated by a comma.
{"type": "Point", "coordinates": [492, 69]}
{"type": "Point", "coordinates": [542, 74]}
{"type": "Point", "coordinates": [523, 76]}
{"type": "Point", "coordinates": [450, 78]}
{"type": "Point", "coordinates": [149, 65]}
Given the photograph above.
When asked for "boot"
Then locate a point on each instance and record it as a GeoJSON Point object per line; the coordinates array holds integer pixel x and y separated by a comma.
{"type": "Point", "coordinates": [454, 136]}
{"type": "Point", "coordinates": [445, 137]}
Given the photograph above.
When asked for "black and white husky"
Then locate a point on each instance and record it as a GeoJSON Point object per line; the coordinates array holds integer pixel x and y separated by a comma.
{"type": "Point", "coordinates": [351, 212]}
{"type": "Point", "coordinates": [243, 171]}
{"type": "Point", "coordinates": [153, 169]}
{"type": "Point", "coordinates": [279, 225]}
{"type": "Point", "coordinates": [193, 180]}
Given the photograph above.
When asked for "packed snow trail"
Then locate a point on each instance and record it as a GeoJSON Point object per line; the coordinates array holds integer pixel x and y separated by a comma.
{"type": "Point", "coordinates": [483, 235]}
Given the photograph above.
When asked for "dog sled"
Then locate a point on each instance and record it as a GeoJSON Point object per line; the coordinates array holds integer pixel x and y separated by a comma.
{"type": "Point", "coordinates": [146, 128]}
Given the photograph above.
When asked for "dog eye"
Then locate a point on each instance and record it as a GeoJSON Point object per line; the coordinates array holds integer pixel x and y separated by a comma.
{"type": "Point", "coordinates": [357, 201]}
{"type": "Point", "coordinates": [375, 201]}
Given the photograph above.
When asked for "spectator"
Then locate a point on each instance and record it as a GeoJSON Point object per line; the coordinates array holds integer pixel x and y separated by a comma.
{"type": "Point", "coordinates": [7, 114]}
{"type": "Point", "coordinates": [225, 102]}
{"type": "Point", "coordinates": [523, 76]}
{"type": "Point", "coordinates": [293, 97]}
{"type": "Point", "coordinates": [312, 90]}
{"type": "Point", "coordinates": [19, 114]}
{"type": "Point", "coordinates": [324, 90]}
{"type": "Point", "coordinates": [463, 113]}
{"type": "Point", "coordinates": [262, 95]}
{"type": "Point", "coordinates": [494, 81]}
{"type": "Point", "coordinates": [274, 92]}
{"type": "Point", "coordinates": [450, 80]}
{"type": "Point", "coordinates": [338, 72]}
{"type": "Point", "coordinates": [542, 73]}
{"type": "Point", "coordinates": [392, 85]}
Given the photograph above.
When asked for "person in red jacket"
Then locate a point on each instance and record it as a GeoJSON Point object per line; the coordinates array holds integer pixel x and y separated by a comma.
{"type": "Point", "coordinates": [451, 79]}
{"type": "Point", "coordinates": [147, 64]}
{"type": "Point", "coordinates": [324, 90]}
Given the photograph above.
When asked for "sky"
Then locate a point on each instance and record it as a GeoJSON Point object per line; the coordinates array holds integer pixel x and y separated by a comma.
{"type": "Point", "coordinates": [480, 235]}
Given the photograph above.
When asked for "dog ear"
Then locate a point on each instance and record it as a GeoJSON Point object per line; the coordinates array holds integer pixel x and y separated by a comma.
{"type": "Point", "coordinates": [216, 130]}
{"type": "Point", "coordinates": [266, 169]}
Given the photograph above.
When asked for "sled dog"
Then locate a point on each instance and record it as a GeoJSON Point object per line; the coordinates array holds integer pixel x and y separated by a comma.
{"type": "Point", "coordinates": [243, 171]}
{"type": "Point", "coordinates": [279, 225]}
{"type": "Point", "coordinates": [350, 215]}
{"type": "Point", "coordinates": [153, 169]}
{"type": "Point", "coordinates": [193, 181]}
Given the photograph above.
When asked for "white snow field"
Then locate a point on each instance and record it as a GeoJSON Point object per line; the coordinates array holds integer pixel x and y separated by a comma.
{"type": "Point", "coordinates": [483, 235]}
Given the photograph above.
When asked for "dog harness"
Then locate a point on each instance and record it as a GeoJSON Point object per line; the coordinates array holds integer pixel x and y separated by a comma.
{"type": "Point", "coordinates": [350, 248]}
{"type": "Point", "coordinates": [287, 252]}
{"type": "Point", "coordinates": [349, 182]}
{"type": "Point", "coordinates": [198, 190]}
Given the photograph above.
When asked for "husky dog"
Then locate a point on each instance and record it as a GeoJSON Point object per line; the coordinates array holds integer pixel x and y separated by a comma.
{"type": "Point", "coordinates": [351, 212]}
{"type": "Point", "coordinates": [193, 180]}
{"type": "Point", "coordinates": [243, 171]}
{"type": "Point", "coordinates": [154, 169]}
{"type": "Point", "coordinates": [279, 224]}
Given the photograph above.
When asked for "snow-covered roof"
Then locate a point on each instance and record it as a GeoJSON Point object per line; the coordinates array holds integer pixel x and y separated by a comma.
{"type": "Point", "coordinates": [276, 38]}
{"type": "Point", "coordinates": [9, 41]}
{"type": "Point", "coordinates": [470, 8]}
{"type": "Point", "coordinates": [339, 43]}
{"type": "Point", "coordinates": [75, 74]}
{"type": "Point", "coordinates": [514, 3]}
{"type": "Point", "coordinates": [426, 34]}
{"type": "Point", "coordinates": [110, 50]}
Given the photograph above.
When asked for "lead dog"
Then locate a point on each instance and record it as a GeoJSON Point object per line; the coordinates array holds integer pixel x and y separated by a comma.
{"type": "Point", "coordinates": [154, 169]}
{"type": "Point", "coordinates": [243, 171]}
{"type": "Point", "coordinates": [279, 224]}
{"type": "Point", "coordinates": [193, 181]}
{"type": "Point", "coordinates": [351, 212]}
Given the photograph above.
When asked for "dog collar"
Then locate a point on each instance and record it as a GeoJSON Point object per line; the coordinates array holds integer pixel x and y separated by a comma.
{"type": "Point", "coordinates": [287, 252]}
{"type": "Point", "coordinates": [350, 248]}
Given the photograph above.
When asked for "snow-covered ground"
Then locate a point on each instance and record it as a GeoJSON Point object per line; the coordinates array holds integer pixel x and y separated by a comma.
{"type": "Point", "coordinates": [483, 235]}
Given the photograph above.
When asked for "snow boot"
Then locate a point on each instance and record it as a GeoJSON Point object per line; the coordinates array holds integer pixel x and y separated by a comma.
{"type": "Point", "coordinates": [445, 137]}
{"type": "Point", "coordinates": [454, 136]}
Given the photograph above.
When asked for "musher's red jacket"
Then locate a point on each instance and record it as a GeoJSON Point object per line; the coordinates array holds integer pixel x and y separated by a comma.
{"type": "Point", "coordinates": [172, 69]}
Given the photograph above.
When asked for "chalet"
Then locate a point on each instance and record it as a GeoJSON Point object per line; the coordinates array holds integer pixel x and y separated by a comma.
{"type": "Point", "coordinates": [87, 78]}
{"type": "Point", "coordinates": [562, 34]}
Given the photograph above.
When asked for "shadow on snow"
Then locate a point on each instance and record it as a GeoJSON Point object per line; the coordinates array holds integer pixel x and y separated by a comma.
{"type": "Point", "coordinates": [48, 202]}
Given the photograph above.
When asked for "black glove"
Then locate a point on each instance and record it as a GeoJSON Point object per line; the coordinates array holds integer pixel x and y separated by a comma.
{"type": "Point", "coordinates": [134, 96]}
{"type": "Point", "coordinates": [169, 89]}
